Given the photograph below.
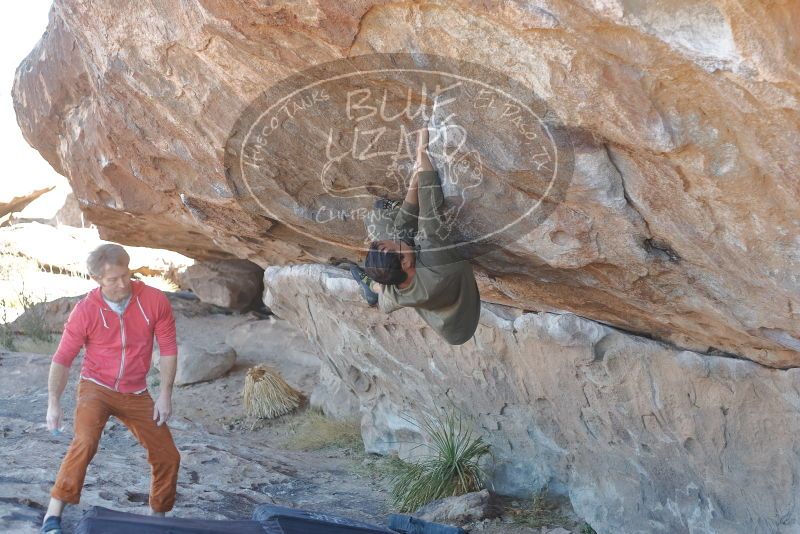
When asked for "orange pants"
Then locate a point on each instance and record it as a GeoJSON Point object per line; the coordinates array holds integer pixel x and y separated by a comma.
{"type": "Point", "coordinates": [95, 405]}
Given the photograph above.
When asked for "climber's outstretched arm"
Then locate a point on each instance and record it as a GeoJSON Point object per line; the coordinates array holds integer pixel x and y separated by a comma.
{"type": "Point", "coordinates": [427, 188]}
{"type": "Point", "coordinates": [422, 164]}
{"type": "Point", "coordinates": [412, 195]}
{"type": "Point", "coordinates": [423, 161]}
{"type": "Point", "coordinates": [407, 219]}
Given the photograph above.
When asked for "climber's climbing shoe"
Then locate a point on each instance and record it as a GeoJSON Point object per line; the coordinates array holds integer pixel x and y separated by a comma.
{"type": "Point", "coordinates": [363, 280]}
{"type": "Point", "coordinates": [386, 204]}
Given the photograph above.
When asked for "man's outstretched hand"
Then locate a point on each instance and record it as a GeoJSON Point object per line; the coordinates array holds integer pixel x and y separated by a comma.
{"type": "Point", "coordinates": [423, 162]}
{"type": "Point", "coordinates": [56, 382]}
{"type": "Point", "coordinates": [54, 417]}
{"type": "Point", "coordinates": [162, 409]}
{"type": "Point", "coordinates": [422, 140]}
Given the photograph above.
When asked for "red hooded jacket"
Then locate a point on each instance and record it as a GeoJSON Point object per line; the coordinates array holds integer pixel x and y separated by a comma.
{"type": "Point", "coordinates": [119, 349]}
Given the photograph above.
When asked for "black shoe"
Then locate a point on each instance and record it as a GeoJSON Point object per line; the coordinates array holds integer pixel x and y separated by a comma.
{"type": "Point", "coordinates": [386, 204]}
{"type": "Point", "coordinates": [363, 280]}
{"type": "Point", "coordinates": [51, 525]}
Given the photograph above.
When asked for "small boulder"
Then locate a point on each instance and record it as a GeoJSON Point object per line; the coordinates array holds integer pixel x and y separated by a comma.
{"type": "Point", "coordinates": [200, 364]}
{"type": "Point", "coordinates": [70, 214]}
{"type": "Point", "coordinates": [234, 284]}
{"type": "Point", "coordinates": [460, 510]}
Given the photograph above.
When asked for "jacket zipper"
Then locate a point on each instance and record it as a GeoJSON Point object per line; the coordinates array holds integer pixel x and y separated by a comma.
{"type": "Point", "coordinates": [122, 361]}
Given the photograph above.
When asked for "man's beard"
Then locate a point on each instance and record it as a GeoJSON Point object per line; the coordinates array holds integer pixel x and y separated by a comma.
{"type": "Point", "coordinates": [121, 299]}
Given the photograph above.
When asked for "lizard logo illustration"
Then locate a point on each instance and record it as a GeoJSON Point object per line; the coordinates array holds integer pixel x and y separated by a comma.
{"type": "Point", "coordinates": [459, 170]}
{"type": "Point", "coordinates": [365, 143]}
{"type": "Point", "coordinates": [317, 150]}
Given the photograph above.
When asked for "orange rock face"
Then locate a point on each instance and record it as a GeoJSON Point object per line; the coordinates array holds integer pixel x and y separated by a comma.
{"type": "Point", "coordinates": [679, 219]}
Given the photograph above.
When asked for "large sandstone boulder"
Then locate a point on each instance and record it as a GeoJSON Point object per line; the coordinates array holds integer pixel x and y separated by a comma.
{"type": "Point", "coordinates": [681, 120]}
{"type": "Point", "coordinates": [335, 397]}
{"type": "Point", "coordinates": [666, 257]}
{"type": "Point", "coordinates": [643, 437]}
{"type": "Point", "coordinates": [54, 313]}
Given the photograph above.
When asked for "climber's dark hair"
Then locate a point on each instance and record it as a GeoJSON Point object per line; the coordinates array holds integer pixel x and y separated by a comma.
{"type": "Point", "coordinates": [384, 266]}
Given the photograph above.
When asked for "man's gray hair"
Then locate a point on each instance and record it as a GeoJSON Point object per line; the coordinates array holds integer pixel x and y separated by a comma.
{"type": "Point", "coordinates": [108, 254]}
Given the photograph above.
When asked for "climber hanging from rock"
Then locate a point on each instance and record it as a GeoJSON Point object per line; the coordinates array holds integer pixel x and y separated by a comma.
{"type": "Point", "coordinates": [411, 264]}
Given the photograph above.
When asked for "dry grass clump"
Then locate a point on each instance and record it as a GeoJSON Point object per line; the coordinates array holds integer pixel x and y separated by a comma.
{"type": "Point", "coordinates": [311, 431]}
{"type": "Point", "coordinates": [267, 395]}
{"type": "Point", "coordinates": [542, 512]}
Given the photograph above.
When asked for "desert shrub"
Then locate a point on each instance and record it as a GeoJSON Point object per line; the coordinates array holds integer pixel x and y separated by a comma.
{"type": "Point", "coordinates": [33, 321]}
{"type": "Point", "coordinates": [452, 467]}
{"type": "Point", "coordinates": [6, 332]}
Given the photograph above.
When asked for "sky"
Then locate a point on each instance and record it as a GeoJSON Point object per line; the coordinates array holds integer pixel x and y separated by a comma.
{"type": "Point", "coordinates": [22, 24]}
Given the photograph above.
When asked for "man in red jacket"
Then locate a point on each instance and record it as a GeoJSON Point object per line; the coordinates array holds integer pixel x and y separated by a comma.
{"type": "Point", "coordinates": [115, 323]}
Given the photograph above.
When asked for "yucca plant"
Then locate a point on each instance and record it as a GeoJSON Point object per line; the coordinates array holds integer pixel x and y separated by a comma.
{"type": "Point", "coordinates": [451, 469]}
